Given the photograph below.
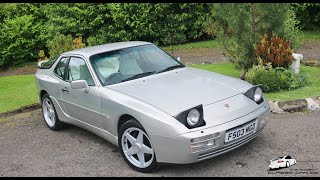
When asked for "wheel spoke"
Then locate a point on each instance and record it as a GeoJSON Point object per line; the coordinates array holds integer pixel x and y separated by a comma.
{"type": "Point", "coordinates": [147, 150]}
{"type": "Point", "coordinates": [130, 151]}
{"type": "Point", "coordinates": [141, 159]}
{"type": "Point", "coordinates": [48, 105]}
{"type": "Point", "coordinates": [140, 137]}
{"type": "Point", "coordinates": [52, 116]}
{"type": "Point", "coordinates": [49, 114]}
{"type": "Point", "coordinates": [131, 139]}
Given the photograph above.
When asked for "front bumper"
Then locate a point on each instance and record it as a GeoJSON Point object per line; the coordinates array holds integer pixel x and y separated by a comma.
{"type": "Point", "coordinates": [177, 150]}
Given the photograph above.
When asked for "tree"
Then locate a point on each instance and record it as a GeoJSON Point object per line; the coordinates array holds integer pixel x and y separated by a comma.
{"type": "Point", "coordinates": [308, 14]}
{"type": "Point", "coordinates": [249, 22]}
{"type": "Point", "coordinates": [18, 40]}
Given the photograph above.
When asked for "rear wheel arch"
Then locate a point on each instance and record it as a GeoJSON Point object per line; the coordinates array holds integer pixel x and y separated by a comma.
{"type": "Point", "coordinates": [42, 92]}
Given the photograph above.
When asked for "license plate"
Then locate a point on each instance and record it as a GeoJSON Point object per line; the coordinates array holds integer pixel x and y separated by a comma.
{"type": "Point", "coordinates": [239, 132]}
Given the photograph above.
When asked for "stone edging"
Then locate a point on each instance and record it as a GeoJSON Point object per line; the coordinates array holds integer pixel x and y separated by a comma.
{"type": "Point", "coordinates": [21, 110]}
{"type": "Point", "coordinates": [295, 105]}
{"type": "Point", "coordinates": [275, 106]}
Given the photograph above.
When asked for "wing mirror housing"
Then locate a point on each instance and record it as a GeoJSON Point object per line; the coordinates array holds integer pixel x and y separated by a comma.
{"type": "Point", "coordinates": [80, 84]}
{"type": "Point", "coordinates": [178, 58]}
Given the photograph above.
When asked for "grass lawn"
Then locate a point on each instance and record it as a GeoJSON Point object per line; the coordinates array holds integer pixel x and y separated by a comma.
{"type": "Point", "coordinates": [311, 36]}
{"type": "Point", "coordinates": [17, 91]}
{"type": "Point", "coordinates": [310, 90]}
{"type": "Point", "coordinates": [225, 68]}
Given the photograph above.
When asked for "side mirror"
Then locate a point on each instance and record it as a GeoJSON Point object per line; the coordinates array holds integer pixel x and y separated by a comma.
{"type": "Point", "coordinates": [178, 58]}
{"type": "Point", "coordinates": [79, 84]}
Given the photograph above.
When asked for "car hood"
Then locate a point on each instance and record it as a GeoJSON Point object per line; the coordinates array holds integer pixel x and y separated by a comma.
{"type": "Point", "coordinates": [178, 90]}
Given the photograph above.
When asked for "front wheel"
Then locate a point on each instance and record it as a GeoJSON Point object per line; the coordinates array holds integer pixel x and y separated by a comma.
{"type": "Point", "coordinates": [136, 148]}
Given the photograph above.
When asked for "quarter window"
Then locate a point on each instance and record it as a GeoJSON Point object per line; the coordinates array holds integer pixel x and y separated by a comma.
{"type": "Point", "coordinates": [78, 70]}
{"type": "Point", "coordinates": [59, 69]}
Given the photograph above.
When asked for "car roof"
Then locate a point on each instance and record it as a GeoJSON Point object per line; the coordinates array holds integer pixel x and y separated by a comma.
{"type": "Point", "coordinates": [88, 51]}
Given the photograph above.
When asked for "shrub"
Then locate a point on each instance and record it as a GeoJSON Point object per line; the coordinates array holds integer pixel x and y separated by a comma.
{"type": "Point", "coordinates": [274, 79]}
{"type": "Point", "coordinates": [42, 55]}
{"type": "Point", "coordinates": [276, 51]}
{"type": "Point", "coordinates": [59, 44]}
{"type": "Point", "coordinates": [77, 43]}
{"type": "Point", "coordinates": [18, 42]}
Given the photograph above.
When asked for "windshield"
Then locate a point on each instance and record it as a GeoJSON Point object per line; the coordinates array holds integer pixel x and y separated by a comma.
{"type": "Point", "coordinates": [132, 63]}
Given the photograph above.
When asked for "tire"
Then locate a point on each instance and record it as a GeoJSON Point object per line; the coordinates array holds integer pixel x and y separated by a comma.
{"type": "Point", "coordinates": [287, 164]}
{"type": "Point", "coordinates": [136, 148]}
{"type": "Point", "coordinates": [50, 115]}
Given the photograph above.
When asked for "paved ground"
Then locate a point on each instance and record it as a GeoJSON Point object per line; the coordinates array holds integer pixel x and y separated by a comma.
{"type": "Point", "coordinates": [310, 50]}
{"type": "Point", "coordinates": [29, 148]}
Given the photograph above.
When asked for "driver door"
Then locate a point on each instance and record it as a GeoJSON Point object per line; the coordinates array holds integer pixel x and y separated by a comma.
{"type": "Point", "coordinates": [79, 104]}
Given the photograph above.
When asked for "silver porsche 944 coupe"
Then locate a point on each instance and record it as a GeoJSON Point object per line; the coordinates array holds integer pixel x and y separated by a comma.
{"type": "Point", "coordinates": [155, 109]}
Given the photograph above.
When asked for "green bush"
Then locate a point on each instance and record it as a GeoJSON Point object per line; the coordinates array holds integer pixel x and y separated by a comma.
{"type": "Point", "coordinates": [308, 14]}
{"type": "Point", "coordinates": [18, 41]}
{"type": "Point", "coordinates": [274, 79]}
{"type": "Point", "coordinates": [59, 44]}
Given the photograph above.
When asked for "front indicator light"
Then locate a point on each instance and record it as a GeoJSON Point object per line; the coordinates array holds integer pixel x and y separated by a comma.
{"type": "Point", "coordinates": [204, 143]}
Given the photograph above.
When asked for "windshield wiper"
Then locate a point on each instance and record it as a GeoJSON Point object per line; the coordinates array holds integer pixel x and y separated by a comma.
{"type": "Point", "coordinates": [139, 76]}
{"type": "Point", "coordinates": [171, 68]}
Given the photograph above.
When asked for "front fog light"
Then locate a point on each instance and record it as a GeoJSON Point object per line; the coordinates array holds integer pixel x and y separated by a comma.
{"type": "Point", "coordinates": [204, 143]}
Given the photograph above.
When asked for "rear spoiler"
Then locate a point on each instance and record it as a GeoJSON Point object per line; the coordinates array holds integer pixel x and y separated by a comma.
{"type": "Point", "coordinates": [41, 62]}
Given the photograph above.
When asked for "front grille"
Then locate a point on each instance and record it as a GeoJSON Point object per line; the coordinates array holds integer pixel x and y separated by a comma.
{"type": "Point", "coordinates": [228, 147]}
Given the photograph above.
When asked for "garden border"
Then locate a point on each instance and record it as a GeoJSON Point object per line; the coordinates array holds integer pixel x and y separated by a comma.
{"type": "Point", "coordinates": [21, 110]}
{"type": "Point", "coordinates": [312, 104]}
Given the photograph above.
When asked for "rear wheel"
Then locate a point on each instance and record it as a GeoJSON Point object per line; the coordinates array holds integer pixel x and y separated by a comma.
{"type": "Point", "coordinates": [136, 148]}
{"type": "Point", "coordinates": [49, 114]}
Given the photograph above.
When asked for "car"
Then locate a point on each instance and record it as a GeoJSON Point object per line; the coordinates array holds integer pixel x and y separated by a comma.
{"type": "Point", "coordinates": [145, 101]}
{"type": "Point", "coordinates": [281, 162]}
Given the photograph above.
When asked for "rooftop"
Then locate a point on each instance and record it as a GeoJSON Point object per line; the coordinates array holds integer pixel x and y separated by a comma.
{"type": "Point", "coordinates": [88, 51]}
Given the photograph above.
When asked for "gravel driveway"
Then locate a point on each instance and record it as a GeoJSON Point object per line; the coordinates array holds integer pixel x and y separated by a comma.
{"type": "Point", "coordinates": [29, 148]}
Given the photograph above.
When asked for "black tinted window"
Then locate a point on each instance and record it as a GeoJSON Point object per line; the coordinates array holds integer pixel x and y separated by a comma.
{"type": "Point", "coordinates": [48, 64]}
{"type": "Point", "coordinates": [59, 69]}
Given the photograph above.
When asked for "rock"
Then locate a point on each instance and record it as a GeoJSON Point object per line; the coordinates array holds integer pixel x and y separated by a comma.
{"type": "Point", "coordinates": [294, 105]}
{"type": "Point", "coordinates": [312, 105]}
{"type": "Point", "coordinates": [206, 62]}
{"type": "Point", "coordinates": [311, 63]}
{"type": "Point", "coordinates": [275, 107]}
{"type": "Point", "coordinates": [317, 99]}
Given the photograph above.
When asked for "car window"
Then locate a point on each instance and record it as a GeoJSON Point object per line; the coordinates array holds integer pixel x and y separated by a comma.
{"type": "Point", "coordinates": [134, 62]}
{"type": "Point", "coordinates": [288, 157]}
{"type": "Point", "coordinates": [108, 65]}
{"type": "Point", "coordinates": [59, 69]}
{"type": "Point", "coordinates": [78, 70]}
{"type": "Point", "coordinates": [48, 64]}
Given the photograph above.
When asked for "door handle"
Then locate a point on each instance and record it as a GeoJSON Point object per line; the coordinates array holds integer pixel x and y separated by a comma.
{"type": "Point", "coordinates": [65, 90]}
